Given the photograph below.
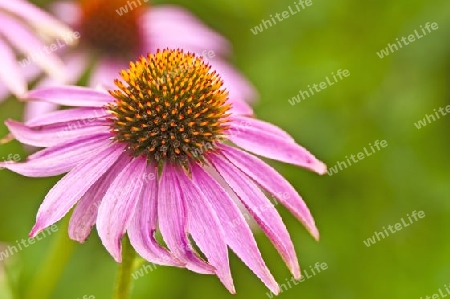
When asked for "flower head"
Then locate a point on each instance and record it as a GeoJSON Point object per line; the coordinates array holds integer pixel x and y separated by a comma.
{"type": "Point", "coordinates": [160, 157]}
{"type": "Point", "coordinates": [24, 32]}
{"type": "Point", "coordinates": [114, 32]}
{"type": "Point", "coordinates": [171, 106]}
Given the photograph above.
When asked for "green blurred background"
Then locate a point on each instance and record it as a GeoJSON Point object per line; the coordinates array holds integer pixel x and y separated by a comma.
{"type": "Point", "coordinates": [380, 100]}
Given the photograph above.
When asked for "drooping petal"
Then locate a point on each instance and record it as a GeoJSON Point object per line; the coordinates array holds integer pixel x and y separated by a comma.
{"type": "Point", "coordinates": [85, 212]}
{"type": "Point", "coordinates": [66, 193]}
{"type": "Point", "coordinates": [261, 209]}
{"type": "Point", "coordinates": [118, 206]}
{"type": "Point", "coordinates": [206, 230]}
{"type": "Point", "coordinates": [173, 222]}
{"type": "Point", "coordinates": [10, 73]}
{"type": "Point", "coordinates": [143, 227]}
{"type": "Point", "coordinates": [4, 91]}
{"type": "Point", "coordinates": [58, 159]}
{"type": "Point", "coordinates": [272, 182]}
{"type": "Point", "coordinates": [70, 96]}
{"type": "Point", "coordinates": [267, 144]}
{"type": "Point", "coordinates": [47, 136]}
{"type": "Point", "coordinates": [237, 232]}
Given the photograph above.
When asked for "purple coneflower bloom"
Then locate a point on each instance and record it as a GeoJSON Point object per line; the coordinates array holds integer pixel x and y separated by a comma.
{"type": "Point", "coordinates": [114, 32]}
{"type": "Point", "coordinates": [165, 152]}
{"type": "Point", "coordinates": [24, 30]}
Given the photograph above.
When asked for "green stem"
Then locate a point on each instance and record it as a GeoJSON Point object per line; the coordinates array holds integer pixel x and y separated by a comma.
{"type": "Point", "coordinates": [53, 265]}
{"type": "Point", "coordinates": [123, 281]}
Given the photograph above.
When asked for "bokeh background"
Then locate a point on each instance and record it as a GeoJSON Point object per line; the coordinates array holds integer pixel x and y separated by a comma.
{"type": "Point", "coordinates": [380, 100]}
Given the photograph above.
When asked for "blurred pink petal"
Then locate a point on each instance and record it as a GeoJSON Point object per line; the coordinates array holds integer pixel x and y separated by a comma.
{"type": "Point", "coordinates": [170, 26]}
{"type": "Point", "coordinates": [10, 73]}
{"type": "Point", "coordinates": [159, 27]}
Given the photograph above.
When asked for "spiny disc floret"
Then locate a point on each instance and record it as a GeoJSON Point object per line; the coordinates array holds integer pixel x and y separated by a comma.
{"type": "Point", "coordinates": [172, 107]}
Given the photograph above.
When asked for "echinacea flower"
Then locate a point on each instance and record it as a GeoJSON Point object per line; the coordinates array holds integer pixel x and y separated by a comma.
{"type": "Point", "coordinates": [25, 31]}
{"type": "Point", "coordinates": [165, 152]}
{"type": "Point", "coordinates": [113, 32]}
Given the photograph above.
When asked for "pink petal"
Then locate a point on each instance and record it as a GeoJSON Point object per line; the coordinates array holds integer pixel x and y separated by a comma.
{"type": "Point", "coordinates": [10, 74]}
{"type": "Point", "coordinates": [265, 143]}
{"type": "Point", "coordinates": [76, 64]}
{"type": "Point", "coordinates": [244, 122]}
{"type": "Point", "coordinates": [58, 159]}
{"type": "Point", "coordinates": [173, 222]}
{"type": "Point", "coordinates": [106, 70]}
{"type": "Point", "coordinates": [72, 187]}
{"type": "Point", "coordinates": [68, 115]}
{"type": "Point", "coordinates": [262, 210]}
{"type": "Point", "coordinates": [272, 182]}
{"type": "Point", "coordinates": [143, 227]}
{"type": "Point", "coordinates": [85, 212]}
{"type": "Point", "coordinates": [173, 27]}
{"type": "Point", "coordinates": [37, 16]}
{"type": "Point", "coordinates": [241, 108]}
{"type": "Point", "coordinates": [70, 96]}
{"type": "Point", "coordinates": [39, 110]}
{"type": "Point", "coordinates": [206, 230]}
{"type": "Point", "coordinates": [47, 136]}
{"type": "Point", "coordinates": [4, 91]}
{"type": "Point", "coordinates": [236, 84]}
{"type": "Point", "coordinates": [68, 12]}
{"type": "Point", "coordinates": [31, 46]}
{"type": "Point", "coordinates": [27, 74]}
{"type": "Point", "coordinates": [238, 234]}
{"type": "Point", "coordinates": [118, 206]}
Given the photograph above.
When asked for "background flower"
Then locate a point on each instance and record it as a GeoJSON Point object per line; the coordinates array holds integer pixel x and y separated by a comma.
{"type": "Point", "coordinates": [114, 32]}
{"type": "Point", "coordinates": [24, 33]}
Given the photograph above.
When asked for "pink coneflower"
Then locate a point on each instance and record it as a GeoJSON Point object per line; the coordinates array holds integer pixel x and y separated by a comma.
{"type": "Point", "coordinates": [113, 32]}
{"type": "Point", "coordinates": [24, 30]}
{"type": "Point", "coordinates": [157, 155]}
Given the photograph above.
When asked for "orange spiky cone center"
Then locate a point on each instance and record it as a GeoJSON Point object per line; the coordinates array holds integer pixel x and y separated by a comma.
{"type": "Point", "coordinates": [170, 107]}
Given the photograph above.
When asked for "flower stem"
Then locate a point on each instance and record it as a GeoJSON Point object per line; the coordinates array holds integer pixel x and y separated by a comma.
{"type": "Point", "coordinates": [49, 273]}
{"type": "Point", "coordinates": [123, 281]}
